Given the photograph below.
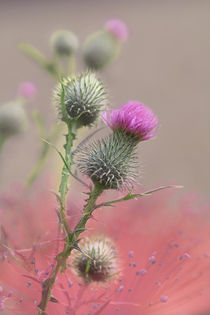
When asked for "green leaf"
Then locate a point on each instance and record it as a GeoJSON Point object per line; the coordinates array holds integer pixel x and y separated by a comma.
{"type": "Point", "coordinates": [130, 196]}
{"type": "Point", "coordinates": [38, 57]}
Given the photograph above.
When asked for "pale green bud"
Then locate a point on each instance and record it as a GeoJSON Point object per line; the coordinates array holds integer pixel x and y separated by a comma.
{"type": "Point", "coordinates": [100, 49]}
{"type": "Point", "coordinates": [13, 119]}
{"type": "Point", "coordinates": [64, 43]}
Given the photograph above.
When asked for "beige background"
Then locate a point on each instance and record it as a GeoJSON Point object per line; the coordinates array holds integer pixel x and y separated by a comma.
{"type": "Point", "coordinates": [165, 64]}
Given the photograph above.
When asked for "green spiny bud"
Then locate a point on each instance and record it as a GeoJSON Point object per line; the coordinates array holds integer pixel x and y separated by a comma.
{"type": "Point", "coordinates": [100, 49]}
{"type": "Point", "coordinates": [64, 43]}
{"type": "Point", "coordinates": [83, 99]}
{"type": "Point", "coordinates": [110, 162]}
{"type": "Point", "coordinates": [13, 119]}
{"type": "Point", "coordinates": [97, 261]}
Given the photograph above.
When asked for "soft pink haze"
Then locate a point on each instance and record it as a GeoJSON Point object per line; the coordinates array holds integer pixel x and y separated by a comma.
{"type": "Point", "coordinates": [163, 244]}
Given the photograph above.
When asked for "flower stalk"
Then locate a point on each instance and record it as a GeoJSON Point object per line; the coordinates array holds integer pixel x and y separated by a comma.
{"type": "Point", "coordinates": [71, 243]}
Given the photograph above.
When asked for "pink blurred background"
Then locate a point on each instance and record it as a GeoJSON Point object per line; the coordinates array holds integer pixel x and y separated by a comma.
{"type": "Point", "coordinates": [164, 64]}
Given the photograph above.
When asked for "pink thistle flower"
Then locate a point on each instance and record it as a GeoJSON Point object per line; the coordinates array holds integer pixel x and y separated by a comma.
{"type": "Point", "coordinates": [135, 118]}
{"type": "Point", "coordinates": [164, 254]}
{"type": "Point", "coordinates": [117, 28]}
{"type": "Point", "coordinates": [27, 90]}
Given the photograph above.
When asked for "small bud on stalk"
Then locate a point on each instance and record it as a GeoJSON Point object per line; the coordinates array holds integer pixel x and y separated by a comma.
{"type": "Point", "coordinates": [98, 260]}
{"type": "Point", "coordinates": [84, 98]}
{"type": "Point", "coordinates": [103, 47]}
{"type": "Point", "coordinates": [13, 119]}
{"type": "Point", "coordinates": [64, 43]}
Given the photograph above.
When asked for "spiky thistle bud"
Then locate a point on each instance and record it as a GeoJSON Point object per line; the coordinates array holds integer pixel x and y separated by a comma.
{"type": "Point", "coordinates": [98, 260]}
{"type": "Point", "coordinates": [64, 43]}
{"type": "Point", "coordinates": [83, 97]}
{"type": "Point", "coordinates": [110, 162]}
{"type": "Point", "coordinates": [13, 119]}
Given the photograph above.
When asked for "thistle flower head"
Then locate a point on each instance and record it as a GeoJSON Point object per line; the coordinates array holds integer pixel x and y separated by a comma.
{"type": "Point", "coordinates": [134, 118]}
{"type": "Point", "coordinates": [98, 260]}
{"type": "Point", "coordinates": [80, 99]}
{"type": "Point", "coordinates": [27, 90]}
{"type": "Point", "coordinates": [64, 43]}
{"type": "Point", "coordinates": [117, 28]}
{"type": "Point", "coordinates": [110, 162]}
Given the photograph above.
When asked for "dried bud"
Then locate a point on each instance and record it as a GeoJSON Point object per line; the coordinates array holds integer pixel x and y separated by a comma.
{"type": "Point", "coordinates": [100, 50]}
{"type": "Point", "coordinates": [110, 162]}
{"type": "Point", "coordinates": [64, 43]}
{"type": "Point", "coordinates": [98, 260]}
{"type": "Point", "coordinates": [13, 119]}
{"type": "Point", "coordinates": [84, 98]}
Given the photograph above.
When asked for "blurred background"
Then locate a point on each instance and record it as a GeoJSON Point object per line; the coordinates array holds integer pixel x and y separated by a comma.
{"type": "Point", "coordinates": [164, 64]}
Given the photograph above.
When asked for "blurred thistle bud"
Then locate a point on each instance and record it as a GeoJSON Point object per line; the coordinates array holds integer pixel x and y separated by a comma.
{"type": "Point", "coordinates": [97, 261]}
{"type": "Point", "coordinates": [103, 47]}
{"type": "Point", "coordinates": [27, 90]}
{"type": "Point", "coordinates": [83, 96]}
{"type": "Point", "coordinates": [135, 119]}
{"type": "Point", "coordinates": [100, 49]}
{"type": "Point", "coordinates": [110, 162]}
{"type": "Point", "coordinates": [64, 43]}
{"type": "Point", "coordinates": [13, 119]}
{"type": "Point", "coordinates": [117, 28]}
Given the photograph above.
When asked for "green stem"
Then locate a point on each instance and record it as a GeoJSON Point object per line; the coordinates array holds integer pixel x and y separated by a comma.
{"type": "Point", "coordinates": [2, 140]}
{"type": "Point", "coordinates": [43, 156]}
{"type": "Point", "coordinates": [39, 58]}
{"type": "Point", "coordinates": [63, 188]}
{"type": "Point", "coordinates": [71, 64]}
{"type": "Point", "coordinates": [87, 212]}
{"type": "Point", "coordinates": [70, 244]}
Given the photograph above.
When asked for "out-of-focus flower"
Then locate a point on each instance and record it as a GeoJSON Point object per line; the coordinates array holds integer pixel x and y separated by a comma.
{"type": "Point", "coordinates": [13, 119]}
{"type": "Point", "coordinates": [64, 43]}
{"type": "Point", "coordinates": [134, 118]}
{"type": "Point", "coordinates": [164, 250]}
{"type": "Point", "coordinates": [118, 28]}
{"type": "Point", "coordinates": [27, 90]}
{"type": "Point", "coordinates": [103, 47]}
{"type": "Point", "coordinates": [97, 261]}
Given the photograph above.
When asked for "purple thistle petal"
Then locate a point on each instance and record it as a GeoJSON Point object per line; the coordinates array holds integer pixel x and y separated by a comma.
{"type": "Point", "coordinates": [117, 28]}
{"type": "Point", "coordinates": [134, 118]}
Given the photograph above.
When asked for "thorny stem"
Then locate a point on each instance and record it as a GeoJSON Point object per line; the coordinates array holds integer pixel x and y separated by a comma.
{"type": "Point", "coordinates": [71, 243]}
{"type": "Point", "coordinates": [63, 188]}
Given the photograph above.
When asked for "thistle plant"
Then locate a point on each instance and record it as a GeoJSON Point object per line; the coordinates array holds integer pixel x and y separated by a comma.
{"type": "Point", "coordinates": [110, 163]}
